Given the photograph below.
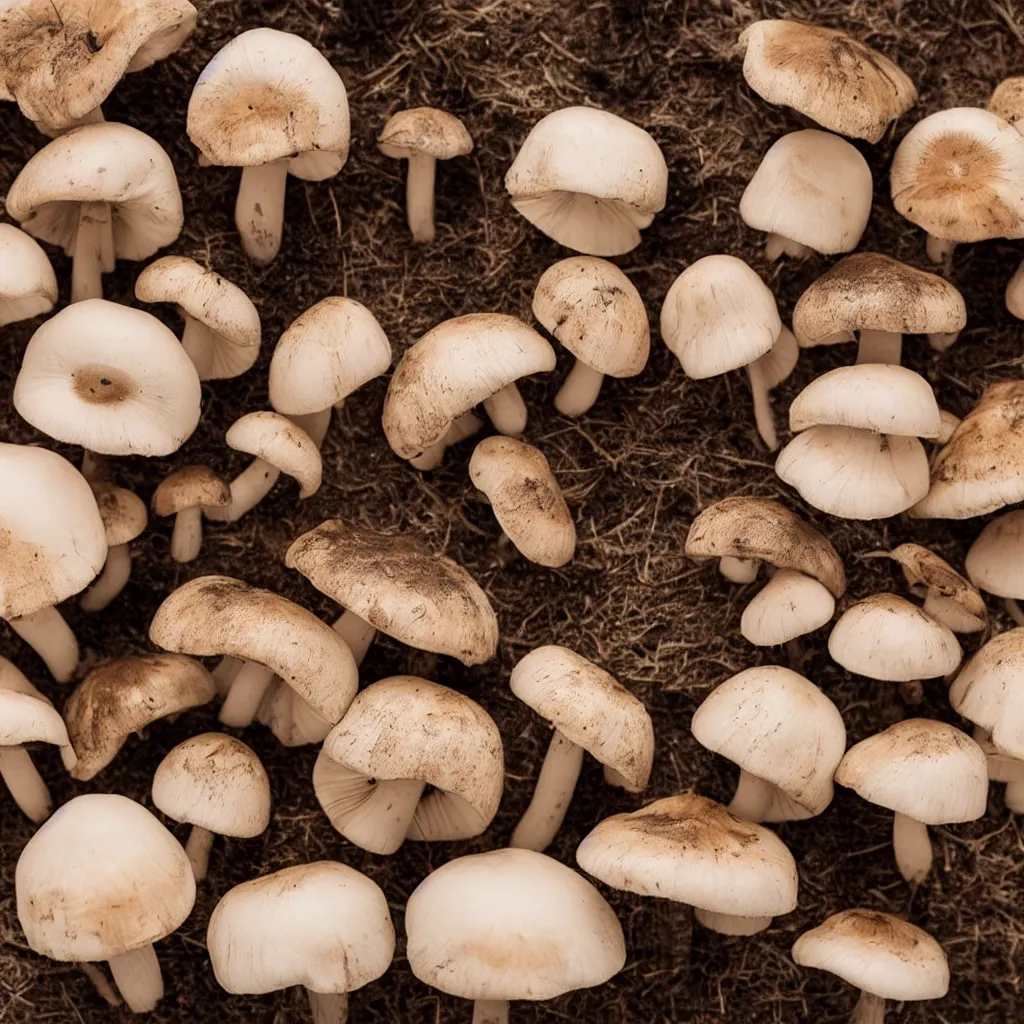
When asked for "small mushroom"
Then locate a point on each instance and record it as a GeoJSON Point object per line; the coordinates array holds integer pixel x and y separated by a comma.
{"type": "Point", "coordinates": [184, 494]}
{"type": "Point", "coordinates": [995, 561]}
{"type": "Point", "coordinates": [400, 736]}
{"type": "Point", "coordinates": [28, 285]}
{"type": "Point", "coordinates": [1007, 100]}
{"type": "Point", "coordinates": [423, 135]}
{"type": "Point", "coordinates": [124, 518]}
{"type": "Point", "coordinates": [948, 597]}
{"type": "Point", "coordinates": [590, 712]}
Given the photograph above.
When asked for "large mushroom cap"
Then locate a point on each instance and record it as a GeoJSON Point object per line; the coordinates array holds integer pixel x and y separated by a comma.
{"type": "Point", "coordinates": [426, 130]}
{"type": "Point", "coordinates": [453, 367]}
{"type": "Point", "coordinates": [962, 604]}
{"type": "Point", "coordinates": [423, 600]}
{"type": "Point", "coordinates": [28, 285]}
{"type": "Point", "coordinates": [511, 924]}
{"type": "Point", "coordinates": [283, 444]}
{"type": "Point", "coordinates": [995, 562]}
{"type": "Point", "coordinates": [832, 78]}
{"type": "Point", "coordinates": [100, 878]}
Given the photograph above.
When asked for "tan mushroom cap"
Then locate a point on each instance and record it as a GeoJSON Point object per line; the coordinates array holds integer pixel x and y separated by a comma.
{"type": "Point", "coordinates": [123, 513]}
{"type": "Point", "coordinates": [423, 600]}
{"type": "Point", "coordinates": [590, 707]}
{"type": "Point", "coordinates": [1007, 100]}
{"type": "Point", "coordinates": [188, 487]}
{"type": "Point", "coordinates": [692, 850]}
{"type": "Point", "coordinates": [994, 561]}
{"type": "Point", "coordinates": [789, 605]}
{"type": "Point", "coordinates": [878, 953]}
{"type": "Point", "coordinates": [453, 367]}
{"type": "Point", "coordinates": [124, 695]}
{"type": "Point", "coordinates": [31, 718]}
{"type": "Point", "coordinates": [13, 679]}
{"type": "Point", "coordinates": [28, 285]}
{"type": "Point", "coordinates": [219, 615]}
{"type": "Point", "coordinates": [526, 499]}
{"type": "Point", "coordinates": [762, 529]}
{"type": "Point", "coordinates": [923, 568]}
{"type": "Point", "coordinates": [832, 78]}
{"type": "Point", "coordinates": [283, 444]}
{"type": "Point", "coordinates": [867, 291]}
{"type": "Point", "coordinates": [425, 130]}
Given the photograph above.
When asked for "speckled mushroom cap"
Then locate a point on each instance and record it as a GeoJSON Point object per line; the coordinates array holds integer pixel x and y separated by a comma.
{"type": "Point", "coordinates": [994, 561]}
{"type": "Point", "coordinates": [283, 444]}
{"type": "Point", "coordinates": [763, 529]}
{"type": "Point", "coordinates": [589, 707]}
{"type": "Point", "coordinates": [31, 718]}
{"type": "Point", "coordinates": [832, 78]}
{"type": "Point", "coordinates": [692, 850]}
{"type": "Point", "coordinates": [28, 285]}
{"type": "Point", "coordinates": [424, 130]}
{"type": "Point", "coordinates": [123, 513]}
{"type": "Point", "coordinates": [188, 487]}
{"type": "Point", "coordinates": [423, 600]}
{"type": "Point", "coordinates": [1007, 100]}
{"type": "Point", "coordinates": [923, 568]}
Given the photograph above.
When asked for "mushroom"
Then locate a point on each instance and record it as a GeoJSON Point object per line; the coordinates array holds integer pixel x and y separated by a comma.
{"type": "Point", "coordinates": [1003, 768]}
{"type": "Point", "coordinates": [949, 424]}
{"type": "Point", "coordinates": [102, 879]}
{"type": "Point", "coordinates": [458, 364]}
{"type": "Point", "coordinates": [995, 563]}
{"type": "Point", "coordinates": [736, 875]}
{"type": "Point", "coordinates": [266, 100]}
{"type": "Point", "coordinates": [184, 494]}
{"type": "Point", "coordinates": [392, 584]}
{"type": "Point", "coordinates": [279, 446]}
{"type": "Point", "coordinates": [124, 695]}
{"type": "Point", "coordinates": [783, 732]}
{"type": "Point", "coordinates": [323, 926]}
{"type": "Point", "coordinates": [423, 135]}
{"type": "Point", "coordinates": [595, 311]}
{"type": "Point", "coordinates": [811, 193]}
{"type": "Point", "coordinates": [720, 316]}
{"type": "Point", "coordinates": [1007, 100]}
{"type": "Point", "coordinates": [881, 299]}
{"type": "Point", "coordinates": [788, 606]}
{"type": "Point", "coordinates": [526, 499]}
{"type": "Point", "coordinates": [400, 736]}
{"type": "Point", "coordinates": [102, 192]}
{"type": "Point", "coordinates": [28, 285]}
{"type": "Point", "coordinates": [510, 924]}
{"type": "Point", "coordinates": [54, 545]}
{"type": "Point", "coordinates": [222, 327]}
{"type": "Point", "coordinates": [111, 379]}
{"type": "Point", "coordinates": [928, 773]}
{"type": "Point", "coordinates": [882, 955]}
{"type": "Point", "coordinates": [589, 179]}
{"type": "Point", "coordinates": [124, 518]}
{"type": "Point", "coordinates": [826, 75]}
{"type": "Point", "coordinates": [590, 712]}
{"type": "Point", "coordinates": [217, 785]}
{"type": "Point", "coordinates": [957, 174]}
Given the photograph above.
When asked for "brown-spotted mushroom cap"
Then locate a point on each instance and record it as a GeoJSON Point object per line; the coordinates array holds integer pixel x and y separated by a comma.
{"type": "Point", "coordinates": [28, 285]}
{"type": "Point", "coordinates": [400, 736]}
{"type": "Point", "coordinates": [184, 493]}
{"type": "Point", "coordinates": [948, 597]}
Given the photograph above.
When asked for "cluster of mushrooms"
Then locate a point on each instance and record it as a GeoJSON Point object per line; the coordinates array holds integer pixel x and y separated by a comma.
{"type": "Point", "coordinates": [403, 758]}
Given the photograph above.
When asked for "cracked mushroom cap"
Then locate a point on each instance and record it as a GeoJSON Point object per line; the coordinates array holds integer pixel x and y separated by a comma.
{"type": "Point", "coordinates": [762, 529]}
{"type": "Point", "coordinates": [124, 695]}
{"type": "Point", "coordinates": [1007, 100]}
{"type": "Point", "coordinates": [597, 314]}
{"type": "Point", "coordinates": [877, 953]}
{"type": "Point", "coordinates": [189, 487]}
{"type": "Point", "coordinates": [454, 367]}
{"type": "Point", "coordinates": [231, 322]}
{"type": "Point", "coordinates": [425, 130]}
{"type": "Point", "coordinates": [53, 538]}
{"type": "Point", "coordinates": [959, 174]}
{"type": "Point", "coordinates": [511, 924]}
{"type": "Point", "coordinates": [871, 292]}
{"type": "Point", "coordinates": [123, 513]}
{"type": "Point", "coordinates": [109, 378]}
{"type": "Point", "coordinates": [994, 561]}
{"type": "Point", "coordinates": [28, 285]}
{"type": "Point", "coordinates": [216, 782]}
{"type": "Point", "coordinates": [590, 707]}
{"type": "Point", "coordinates": [692, 850]}
{"type": "Point", "coordinates": [219, 615]}
{"type": "Point", "coordinates": [718, 316]}
{"type": "Point", "coordinates": [789, 605]}
{"type": "Point", "coordinates": [942, 583]}
{"type": "Point", "coordinates": [920, 768]}
{"type": "Point", "coordinates": [526, 499]}
{"type": "Point", "coordinates": [100, 878]}
{"type": "Point", "coordinates": [283, 444]}
{"type": "Point", "coordinates": [780, 727]}
{"type": "Point", "coordinates": [405, 727]}
{"type": "Point", "coordinates": [323, 925]}
{"type": "Point", "coordinates": [327, 352]}
{"type": "Point", "coordinates": [30, 718]}
{"type": "Point", "coordinates": [422, 600]}
{"type": "Point", "coordinates": [830, 77]}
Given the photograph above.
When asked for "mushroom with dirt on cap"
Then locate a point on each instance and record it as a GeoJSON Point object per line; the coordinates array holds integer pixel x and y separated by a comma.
{"type": "Point", "coordinates": [184, 494]}
{"type": "Point", "coordinates": [124, 518]}
{"type": "Point", "coordinates": [28, 285]}
{"type": "Point", "coordinates": [995, 561]}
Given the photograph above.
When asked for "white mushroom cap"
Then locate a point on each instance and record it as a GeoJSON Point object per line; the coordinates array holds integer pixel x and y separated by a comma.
{"type": "Point", "coordinates": [123, 513]}
{"type": "Point", "coordinates": [811, 187]}
{"type": "Point", "coordinates": [1007, 100]}
{"type": "Point", "coordinates": [229, 321]}
{"type": "Point", "coordinates": [110, 378]}
{"type": "Point", "coordinates": [948, 596]}
{"type": "Point", "coordinates": [511, 924]}
{"type": "Point", "coordinates": [426, 130]}
{"type": "Point", "coordinates": [188, 487]}
{"type": "Point", "coordinates": [28, 285]}
{"type": "Point", "coordinates": [100, 878]}
{"type": "Point", "coordinates": [329, 351]}
{"type": "Point", "coordinates": [995, 562]}
{"type": "Point", "coordinates": [281, 443]}
{"type": "Point", "coordinates": [589, 179]}
{"type": "Point", "coordinates": [920, 768]}
{"type": "Point", "coordinates": [27, 718]}
{"type": "Point", "coordinates": [55, 543]}
{"type": "Point", "coordinates": [789, 605]}
{"type": "Point", "coordinates": [718, 316]}
{"type": "Point", "coordinates": [878, 953]}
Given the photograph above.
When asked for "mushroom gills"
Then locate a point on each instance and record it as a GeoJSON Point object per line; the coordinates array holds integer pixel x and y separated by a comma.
{"type": "Point", "coordinates": [556, 784]}
{"type": "Point", "coordinates": [776, 245]}
{"type": "Point", "coordinates": [912, 847]}
{"type": "Point", "coordinates": [586, 223]}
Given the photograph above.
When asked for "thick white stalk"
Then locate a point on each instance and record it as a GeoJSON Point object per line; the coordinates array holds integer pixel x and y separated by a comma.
{"type": "Point", "coordinates": [763, 416]}
{"type": "Point", "coordinates": [248, 489]}
{"type": "Point", "coordinates": [93, 247]}
{"type": "Point", "coordinates": [198, 847]}
{"type": "Point", "coordinates": [739, 570]}
{"type": "Point", "coordinates": [419, 197]}
{"type": "Point", "coordinates": [381, 824]}
{"type": "Point", "coordinates": [779, 245]}
{"type": "Point", "coordinates": [490, 1011]}
{"type": "Point", "coordinates": [104, 989]}
{"type": "Point", "coordinates": [880, 347]}
{"type": "Point", "coordinates": [357, 633]}
{"type": "Point", "coordinates": [138, 978]}
{"type": "Point", "coordinates": [507, 410]}
{"type": "Point", "coordinates": [246, 694]}
{"type": "Point", "coordinates": [187, 536]}
{"type": "Point", "coordinates": [316, 424]}
{"type": "Point", "coordinates": [117, 570]}
{"type": "Point", "coordinates": [939, 249]}
{"type": "Point", "coordinates": [25, 783]}
{"type": "Point", "coordinates": [870, 1009]}
{"type": "Point", "coordinates": [730, 924]}
{"type": "Point", "coordinates": [464, 426]}
{"type": "Point", "coordinates": [556, 784]}
{"type": "Point", "coordinates": [259, 209]}
{"type": "Point", "coordinates": [1014, 797]}
{"type": "Point", "coordinates": [752, 799]}
{"type": "Point", "coordinates": [224, 673]}
{"type": "Point", "coordinates": [912, 847]}
{"type": "Point", "coordinates": [580, 391]}
{"type": "Point", "coordinates": [46, 632]}
{"type": "Point", "coordinates": [328, 1007]}
{"type": "Point", "coordinates": [200, 345]}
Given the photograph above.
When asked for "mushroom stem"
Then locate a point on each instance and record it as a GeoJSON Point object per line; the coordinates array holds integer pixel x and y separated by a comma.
{"type": "Point", "coordinates": [248, 489]}
{"type": "Point", "coordinates": [328, 1007]}
{"type": "Point", "coordinates": [138, 978]}
{"type": "Point", "coordinates": [259, 209]}
{"type": "Point", "coordinates": [730, 924]}
{"type": "Point", "coordinates": [1013, 610]}
{"type": "Point", "coordinates": [580, 390]}
{"type": "Point", "coordinates": [738, 570]}
{"type": "Point", "coordinates": [99, 981]}
{"type": "Point", "coordinates": [25, 783]}
{"type": "Point", "coordinates": [942, 340]}
{"type": "Point", "coordinates": [880, 347]}
{"type": "Point", "coordinates": [763, 416]}
{"type": "Point", "coordinates": [198, 847]}
{"type": "Point", "coordinates": [187, 536]}
{"type": "Point", "coordinates": [912, 691]}
{"type": "Point", "coordinates": [779, 245]}
{"type": "Point", "coordinates": [94, 467]}
{"type": "Point", "coordinates": [224, 673]}
{"type": "Point", "coordinates": [315, 424]}
{"type": "Point", "coordinates": [246, 693]}
{"type": "Point", "coordinates": [556, 784]}
{"type": "Point", "coordinates": [464, 426]}
{"type": "Point", "coordinates": [93, 252]}
{"type": "Point", "coordinates": [507, 410]}
{"type": "Point", "coordinates": [357, 633]}
{"type": "Point", "coordinates": [752, 799]}
{"type": "Point", "coordinates": [200, 345]}
{"type": "Point", "coordinates": [870, 1009]}
{"type": "Point", "coordinates": [381, 823]}
{"type": "Point", "coordinates": [1014, 797]}
{"type": "Point", "coordinates": [46, 632]}
{"type": "Point", "coordinates": [939, 249]}
{"type": "Point", "coordinates": [490, 1011]}
{"type": "Point", "coordinates": [116, 572]}
{"type": "Point", "coordinates": [419, 196]}
{"type": "Point", "coordinates": [616, 778]}
{"type": "Point", "coordinates": [912, 847]}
